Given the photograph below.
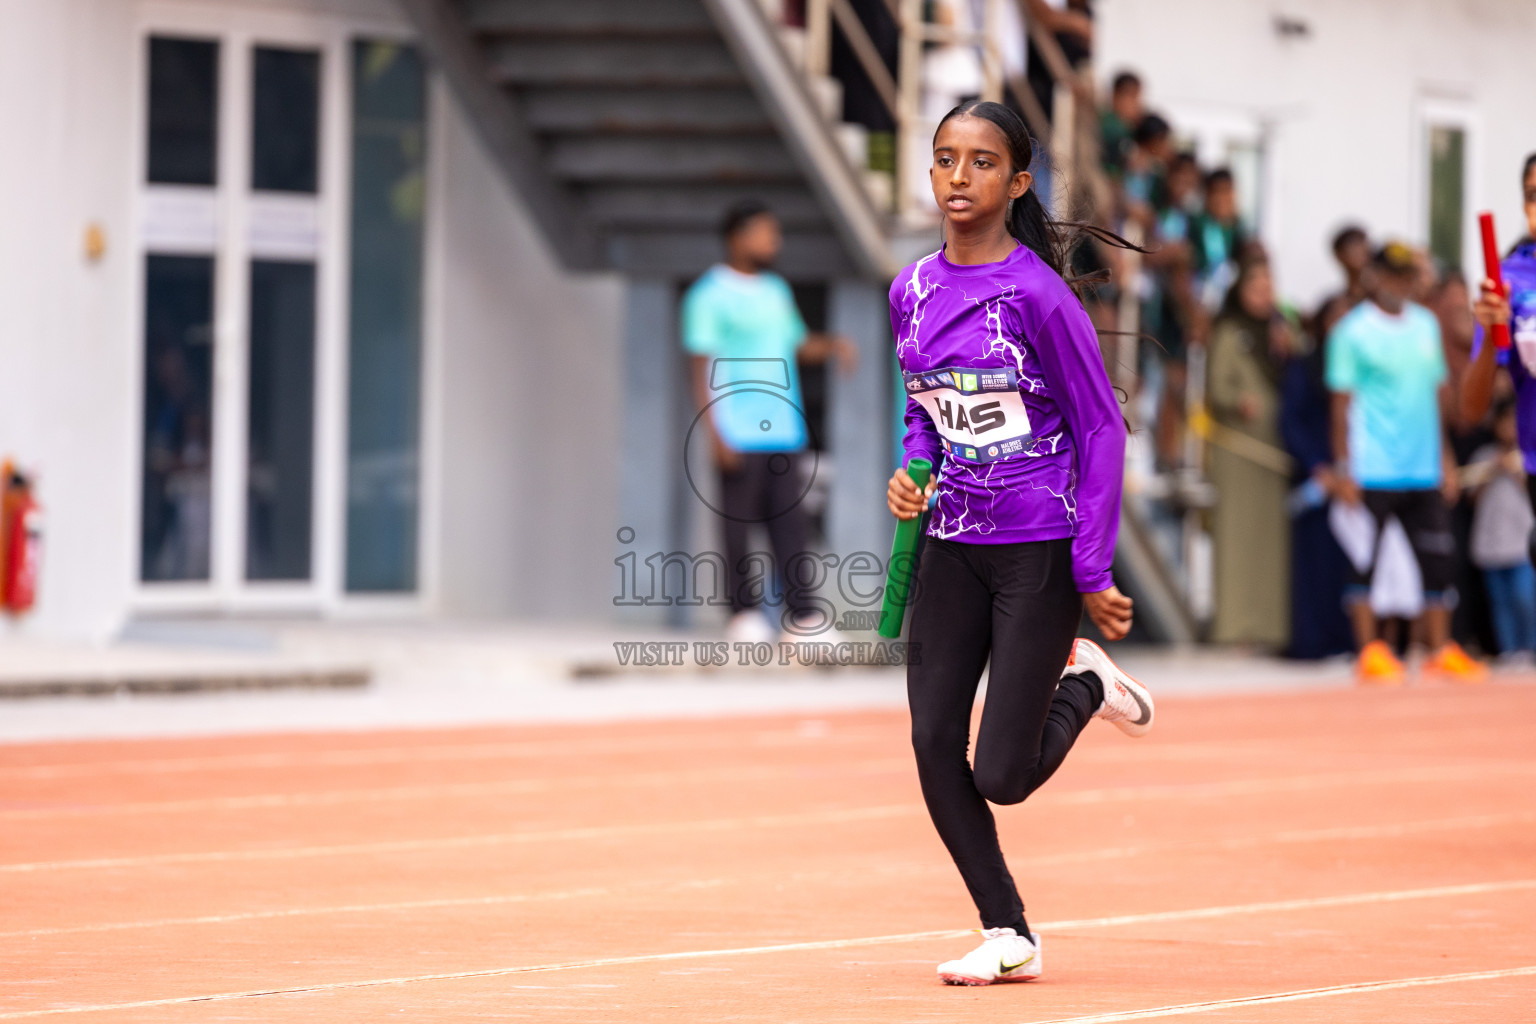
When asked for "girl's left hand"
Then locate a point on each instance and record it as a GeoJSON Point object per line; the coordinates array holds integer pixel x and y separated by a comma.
{"type": "Point", "coordinates": [1110, 610]}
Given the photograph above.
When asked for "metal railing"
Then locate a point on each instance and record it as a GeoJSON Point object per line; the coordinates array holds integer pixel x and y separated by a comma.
{"type": "Point", "coordinates": [1162, 520]}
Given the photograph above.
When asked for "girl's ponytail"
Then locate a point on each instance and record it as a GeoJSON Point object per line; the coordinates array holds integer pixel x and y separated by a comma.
{"type": "Point", "coordinates": [1028, 223]}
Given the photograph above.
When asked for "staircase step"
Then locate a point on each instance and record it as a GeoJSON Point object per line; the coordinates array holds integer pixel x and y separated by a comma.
{"type": "Point", "coordinates": [711, 158]}
{"type": "Point", "coordinates": [696, 207]}
{"type": "Point", "coordinates": [815, 254]}
{"type": "Point", "coordinates": [612, 62]}
{"type": "Point", "coordinates": [792, 38]}
{"type": "Point", "coordinates": [589, 17]}
{"type": "Point", "coordinates": [881, 188]}
{"type": "Point", "coordinates": [854, 141]}
{"type": "Point", "coordinates": [827, 94]}
{"type": "Point", "coordinates": [630, 111]}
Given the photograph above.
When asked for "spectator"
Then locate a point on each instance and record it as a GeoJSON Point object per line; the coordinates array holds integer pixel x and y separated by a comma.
{"type": "Point", "coordinates": [1150, 153]}
{"type": "Point", "coordinates": [1319, 628]}
{"type": "Point", "coordinates": [1217, 238]}
{"type": "Point", "coordinates": [1352, 250]}
{"type": "Point", "coordinates": [1472, 621]}
{"type": "Point", "coordinates": [1250, 344]}
{"type": "Point", "coordinates": [740, 323]}
{"type": "Point", "coordinates": [1500, 527]}
{"type": "Point", "coordinates": [1119, 121]}
{"type": "Point", "coordinates": [1385, 367]}
{"type": "Point", "coordinates": [1169, 313]}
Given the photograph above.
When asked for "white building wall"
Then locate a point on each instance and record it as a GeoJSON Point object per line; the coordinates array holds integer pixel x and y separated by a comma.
{"type": "Point", "coordinates": [67, 373]}
{"type": "Point", "coordinates": [528, 397]}
{"type": "Point", "coordinates": [522, 363]}
{"type": "Point", "coordinates": [1341, 109]}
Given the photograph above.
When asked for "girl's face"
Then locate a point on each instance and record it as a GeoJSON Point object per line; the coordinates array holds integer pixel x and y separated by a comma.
{"type": "Point", "coordinates": [1530, 201]}
{"type": "Point", "coordinates": [973, 177]}
{"type": "Point", "coordinates": [1257, 293]}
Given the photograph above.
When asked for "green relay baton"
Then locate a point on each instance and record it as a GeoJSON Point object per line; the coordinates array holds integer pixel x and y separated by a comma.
{"type": "Point", "coordinates": [898, 572]}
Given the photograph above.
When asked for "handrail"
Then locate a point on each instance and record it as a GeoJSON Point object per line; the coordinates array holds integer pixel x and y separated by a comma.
{"type": "Point", "coordinates": [867, 53]}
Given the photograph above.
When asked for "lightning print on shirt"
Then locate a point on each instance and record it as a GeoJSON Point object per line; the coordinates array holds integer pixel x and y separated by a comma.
{"type": "Point", "coordinates": [1018, 314]}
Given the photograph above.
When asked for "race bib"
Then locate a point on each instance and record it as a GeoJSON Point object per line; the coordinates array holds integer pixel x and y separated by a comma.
{"type": "Point", "coordinates": [979, 413]}
{"type": "Point", "coordinates": [1523, 328]}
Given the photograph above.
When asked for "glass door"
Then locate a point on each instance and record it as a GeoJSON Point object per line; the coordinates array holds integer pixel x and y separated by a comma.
{"type": "Point", "coordinates": [280, 254]}
{"type": "Point", "coordinates": [233, 246]}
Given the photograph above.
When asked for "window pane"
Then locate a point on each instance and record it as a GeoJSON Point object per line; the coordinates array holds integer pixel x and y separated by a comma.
{"type": "Point", "coordinates": [280, 443]}
{"type": "Point", "coordinates": [178, 406]}
{"type": "Point", "coordinates": [285, 121]}
{"type": "Point", "coordinates": [1447, 147]}
{"type": "Point", "coordinates": [384, 383]}
{"type": "Point", "coordinates": [183, 111]}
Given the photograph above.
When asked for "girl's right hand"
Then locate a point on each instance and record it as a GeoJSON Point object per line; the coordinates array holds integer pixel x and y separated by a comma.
{"type": "Point", "coordinates": [902, 496]}
{"type": "Point", "coordinates": [1491, 307]}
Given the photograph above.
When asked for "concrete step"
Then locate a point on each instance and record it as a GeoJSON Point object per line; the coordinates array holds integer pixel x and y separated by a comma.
{"type": "Point", "coordinates": [792, 38]}
{"type": "Point", "coordinates": [854, 141]}
{"type": "Point", "coordinates": [626, 62]}
{"type": "Point", "coordinates": [881, 186]}
{"type": "Point", "coordinates": [827, 94]}
{"type": "Point", "coordinates": [696, 207]}
{"type": "Point", "coordinates": [677, 251]}
{"type": "Point", "coordinates": [589, 17]}
{"type": "Point", "coordinates": [715, 158]}
{"type": "Point", "coordinates": [42, 669]}
{"type": "Point", "coordinates": [631, 110]}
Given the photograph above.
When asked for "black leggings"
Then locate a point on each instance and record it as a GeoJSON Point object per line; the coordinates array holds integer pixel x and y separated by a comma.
{"type": "Point", "coordinates": [1018, 603]}
{"type": "Point", "coordinates": [765, 487]}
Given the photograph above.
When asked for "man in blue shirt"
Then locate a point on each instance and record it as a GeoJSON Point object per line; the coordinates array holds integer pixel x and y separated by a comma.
{"type": "Point", "coordinates": [745, 335]}
{"type": "Point", "coordinates": [1386, 367]}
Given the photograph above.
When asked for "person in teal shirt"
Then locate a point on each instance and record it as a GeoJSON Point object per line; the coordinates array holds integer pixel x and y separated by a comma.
{"type": "Point", "coordinates": [746, 338]}
{"type": "Point", "coordinates": [1386, 368]}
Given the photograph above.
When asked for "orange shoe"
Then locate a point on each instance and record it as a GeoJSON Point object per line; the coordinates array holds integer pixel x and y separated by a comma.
{"type": "Point", "coordinates": [1378, 666]}
{"type": "Point", "coordinates": [1455, 665]}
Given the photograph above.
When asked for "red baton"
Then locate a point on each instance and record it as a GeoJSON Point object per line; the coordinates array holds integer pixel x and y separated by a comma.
{"type": "Point", "coordinates": [1493, 273]}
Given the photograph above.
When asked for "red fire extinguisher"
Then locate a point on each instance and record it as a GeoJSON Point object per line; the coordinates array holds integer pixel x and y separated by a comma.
{"type": "Point", "coordinates": [21, 540]}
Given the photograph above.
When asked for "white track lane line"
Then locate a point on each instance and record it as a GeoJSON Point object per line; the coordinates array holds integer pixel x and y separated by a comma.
{"type": "Point", "coordinates": [881, 940]}
{"type": "Point", "coordinates": [773, 739]}
{"type": "Point", "coordinates": [765, 821]}
{"type": "Point", "coordinates": [452, 790]}
{"type": "Point", "coordinates": [494, 839]}
{"type": "Point", "coordinates": [469, 751]}
{"type": "Point", "coordinates": [1425, 774]}
{"type": "Point", "coordinates": [1297, 996]}
{"type": "Point", "coordinates": [1471, 889]}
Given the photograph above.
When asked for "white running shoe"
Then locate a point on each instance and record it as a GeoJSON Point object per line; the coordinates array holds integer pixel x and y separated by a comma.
{"type": "Point", "coordinates": [750, 627]}
{"type": "Point", "coordinates": [1004, 955]}
{"type": "Point", "coordinates": [1126, 702]}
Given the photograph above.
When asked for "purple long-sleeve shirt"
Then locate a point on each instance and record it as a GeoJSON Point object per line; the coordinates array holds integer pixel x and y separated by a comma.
{"type": "Point", "coordinates": [1044, 465]}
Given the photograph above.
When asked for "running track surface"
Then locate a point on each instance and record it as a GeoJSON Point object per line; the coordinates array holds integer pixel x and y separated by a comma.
{"type": "Point", "coordinates": [1345, 856]}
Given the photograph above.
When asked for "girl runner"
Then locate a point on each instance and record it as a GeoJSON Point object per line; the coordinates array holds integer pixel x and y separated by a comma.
{"type": "Point", "coordinates": [1005, 380]}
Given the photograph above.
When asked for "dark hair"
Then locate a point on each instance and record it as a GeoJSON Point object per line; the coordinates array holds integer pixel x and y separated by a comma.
{"type": "Point", "coordinates": [1530, 164]}
{"type": "Point", "coordinates": [739, 213]}
{"type": "Point", "coordinates": [1395, 258]}
{"type": "Point", "coordinates": [1054, 242]}
{"type": "Point", "coordinates": [1348, 233]}
{"type": "Point", "coordinates": [1125, 80]}
{"type": "Point", "coordinates": [1220, 176]}
{"type": "Point", "coordinates": [1150, 129]}
{"type": "Point", "coordinates": [1182, 160]}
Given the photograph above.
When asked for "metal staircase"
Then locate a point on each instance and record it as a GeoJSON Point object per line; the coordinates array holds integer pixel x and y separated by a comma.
{"type": "Point", "coordinates": [629, 126]}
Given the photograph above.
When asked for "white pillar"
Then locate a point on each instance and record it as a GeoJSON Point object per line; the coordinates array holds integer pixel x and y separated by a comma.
{"type": "Point", "coordinates": [859, 424]}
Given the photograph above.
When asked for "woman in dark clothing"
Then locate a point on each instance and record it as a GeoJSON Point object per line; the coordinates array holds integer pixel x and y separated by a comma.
{"type": "Point", "coordinates": [1318, 565]}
